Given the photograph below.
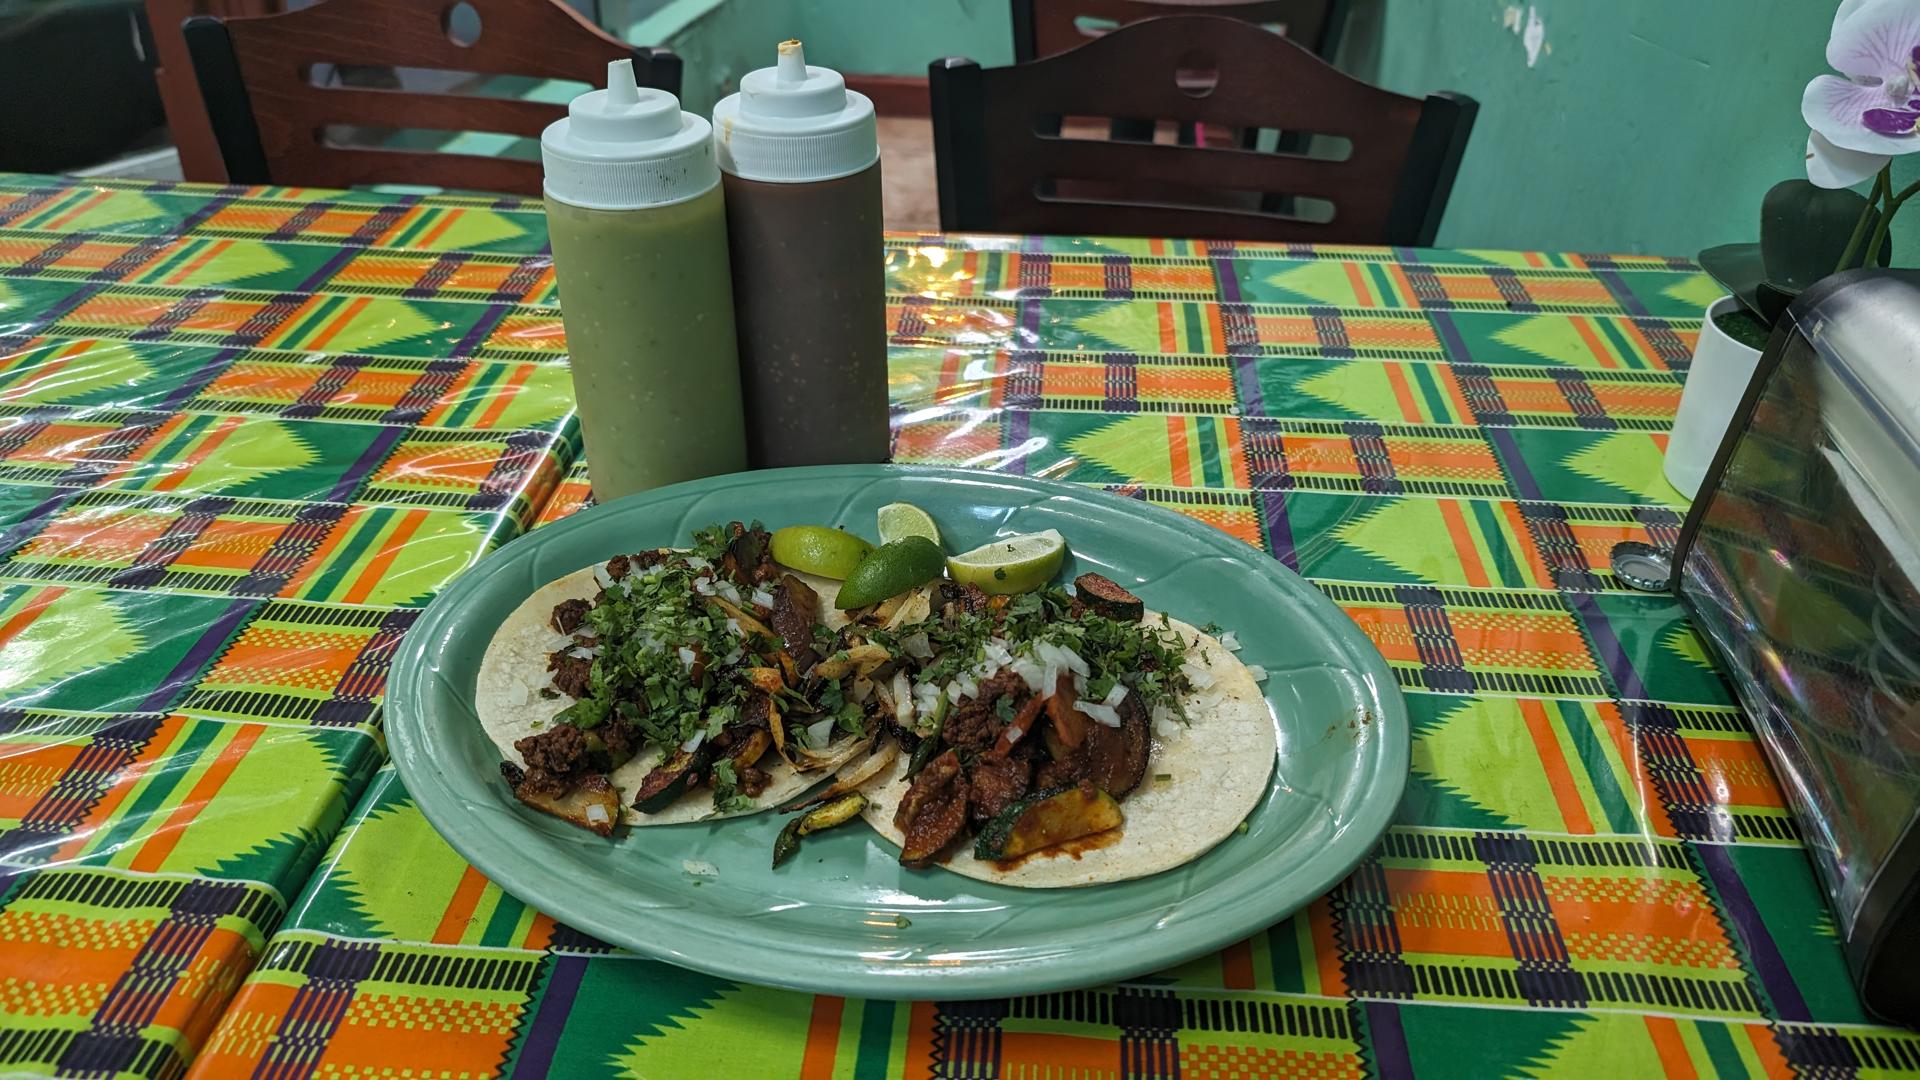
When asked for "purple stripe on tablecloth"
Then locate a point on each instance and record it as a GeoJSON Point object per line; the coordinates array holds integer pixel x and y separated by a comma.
{"type": "Point", "coordinates": [1273, 511]}
{"type": "Point", "coordinates": [1388, 1039]}
{"type": "Point", "coordinates": [1509, 453]}
{"type": "Point", "coordinates": [1226, 281]}
{"type": "Point", "coordinates": [482, 326]}
{"type": "Point", "coordinates": [1029, 332]}
{"type": "Point", "coordinates": [1606, 643]}
{"type": "Point", "coordinates": [543, 1036]}
{"type": "Point", "coordinates": [1451, 342]}
{"type": "Point", "coordinates": [206, 373]}
{"type": "Point", "coordinates": [38, 322]}
{"type": "Point", "coordinates": [1014, 432]}
{"type": "Point", "coordinates": [208, 644]}
{"type": "Point", "coordinates": [33, 521]}
{"type": "Point", "coordinates": [213, 206]}
{"type": "Point", "coordinates": [375, 453]}
{"type": "Point", "coordinates": [1617, 285]}
{"type": "Point", "coordinates": [1768, 964]}
{"type": "Point", "coordinates": [1246, 386]}
{"type": "Point", "coordinates": [327, 269]}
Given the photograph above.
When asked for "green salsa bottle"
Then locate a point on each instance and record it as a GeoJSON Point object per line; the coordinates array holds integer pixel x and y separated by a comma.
{"type": "Point", "coordinates": [639, 234]}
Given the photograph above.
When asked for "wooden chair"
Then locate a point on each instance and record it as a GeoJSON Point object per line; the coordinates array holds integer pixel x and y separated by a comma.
{"type": "Point", "coordinates": [271, 120]}
{"type": "Point", "coordinates": [1001, 169]}
{"type": "Point", "coordinates": [1047, 27]}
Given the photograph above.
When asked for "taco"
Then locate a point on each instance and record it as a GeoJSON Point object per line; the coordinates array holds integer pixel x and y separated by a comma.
{"type": "Point", "coordinates": [668, 686]}
{"type": "Point", "coordinates": [1053, 739]}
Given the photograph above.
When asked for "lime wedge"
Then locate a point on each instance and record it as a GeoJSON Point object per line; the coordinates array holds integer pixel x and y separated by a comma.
{"type": "Point", "coordinates": [816, 549]}
{"type": "Point", "coordinates": [901, 520]}
{"type": "Point", "coordinates": [891, 570]}
{"type": "Point", "coordinates": [1011, 564]}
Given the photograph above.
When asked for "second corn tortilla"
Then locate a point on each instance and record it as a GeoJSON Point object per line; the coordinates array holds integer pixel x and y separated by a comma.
{"type": "Point", "coordinates": [1218, 770]}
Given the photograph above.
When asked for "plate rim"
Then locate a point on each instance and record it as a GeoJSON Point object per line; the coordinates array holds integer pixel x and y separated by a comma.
{"type": "Point", "coordinates": [1170, 945]}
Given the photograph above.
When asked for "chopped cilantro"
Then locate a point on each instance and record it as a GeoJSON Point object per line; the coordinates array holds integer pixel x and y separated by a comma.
{"type": "Point", "coordinates": [1003, 708]}
{"type": "Point", "coordinates": [902, 921]}
{"type": "Point", "coordinates": [727, 796]}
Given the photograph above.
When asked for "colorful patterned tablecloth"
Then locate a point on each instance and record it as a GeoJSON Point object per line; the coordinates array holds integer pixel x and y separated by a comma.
{"type": "Point", "coordinates": [246, 433]}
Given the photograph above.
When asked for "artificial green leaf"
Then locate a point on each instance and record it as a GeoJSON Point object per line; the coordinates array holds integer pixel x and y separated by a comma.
{"type": "Point", "coordinates": [1772, 301]}
{"type": "Point", "coordinates": [1739, 270]}
{"type": "Point", "coordinates": [1804, 231]}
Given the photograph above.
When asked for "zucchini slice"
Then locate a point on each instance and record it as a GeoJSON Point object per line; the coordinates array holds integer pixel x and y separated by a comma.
{"type": "Point", "coordinates": [1045, 820]}
{"type": "Point", "coordinates": [838, 812]}
{"type": "Point", "coordinates": [670, 779]}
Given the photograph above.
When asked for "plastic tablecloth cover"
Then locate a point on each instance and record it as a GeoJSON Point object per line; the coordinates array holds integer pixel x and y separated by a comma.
{"type": "Point", "coordinates": [246, 434]}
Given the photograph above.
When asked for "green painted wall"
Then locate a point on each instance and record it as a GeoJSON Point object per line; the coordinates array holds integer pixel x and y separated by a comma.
{"type": "Point", "coordinates": [1641, 126]}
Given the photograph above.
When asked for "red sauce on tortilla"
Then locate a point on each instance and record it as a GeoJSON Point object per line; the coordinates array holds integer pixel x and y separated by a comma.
{"type": "Point", "coordinates": [1071, 847]}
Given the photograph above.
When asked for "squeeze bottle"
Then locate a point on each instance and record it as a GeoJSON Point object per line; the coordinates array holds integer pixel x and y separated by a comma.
{"type": "Point", "coordinates": [800, 155]}
{"type": "Point", "coordinates": [640, 254]}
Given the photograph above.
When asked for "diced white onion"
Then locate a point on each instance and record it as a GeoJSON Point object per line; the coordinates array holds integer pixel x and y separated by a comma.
{"type": "Point", "coordinates": [819, 732]}
{"type": "Point", "coordinates": [699, 868]}
{"type": "Point", "coordinates": [1165, 724]}
{"type": "Point", "coordinates": [600, 575]}
{"type": "Point", "coordinates": [903, 695]}
{"type": "Point", "coordinates": [596, 813]}
{"type": "Point", "coordinates": [697, 562]}
{"type": "Point", "coordinates": [586, 630]}
{"type": "Point", "coordinates": [693, 741]}
{"type": "Point", "coordinates": [517, 693]}
{"type": "Point", "coordinates": [1230, 641]}
{"type": "Point", "coordinates": [1259, 673]}
{"type": "Point", "coordinates": [1014, 731]}
{"type": "Point", "coordinates": [733, 657]}
{"type": "Point", "coordinates": [584, 652]}
{"type": "Point", "coordinates": [917, 646]}
{"type": "Point", "coordinates": [860, 691]}
{"type": "Point", "coordinates": [762, 598]}
{"type": "Point", "coordinates": [926, 699]}
{"type": "Point", "coordinates": [1062, 657]}
{"type": "Point", "coordinates": [704, 586]}
{"type": "Point", "coordinates": [1035, 676]}
{"type": "Point", "coordinates": [1115, 696]}
{"type": "Point", "coordinates": [733, 627]}
{"type": "Point", "coordinates": [1102, 713]}
{"type": "Point", "coordinates": [688, 658]}
{"type": "Point", "coordinates": [727, 590]}
{"type": "Point", "coordinates": [1196, 674]}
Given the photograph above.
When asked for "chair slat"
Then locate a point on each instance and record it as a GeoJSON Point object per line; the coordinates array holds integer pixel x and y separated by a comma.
{"type": "Point", "coordinates": [1003, 167]}
{"type": "Point", "coordinates": [256, 76]}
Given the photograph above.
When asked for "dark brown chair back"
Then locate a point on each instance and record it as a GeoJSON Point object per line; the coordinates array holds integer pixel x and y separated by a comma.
{"type": "Point", "coordinates": [1001, 170]}
{"type": "Point", "coordinates": [271, 120]}
{"type": "Point", "coordinates": [1046, 27]}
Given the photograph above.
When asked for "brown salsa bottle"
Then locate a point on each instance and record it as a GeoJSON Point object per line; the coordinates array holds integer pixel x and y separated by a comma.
{"type": "Point", "coordinates": [800, 161]}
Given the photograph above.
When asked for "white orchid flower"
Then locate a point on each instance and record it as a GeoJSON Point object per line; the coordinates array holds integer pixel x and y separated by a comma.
{"type": "Point", "coordinates": [1872, 114]}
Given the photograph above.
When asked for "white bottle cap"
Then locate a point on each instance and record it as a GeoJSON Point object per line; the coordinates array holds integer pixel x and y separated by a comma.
{"type": "Point", "coordinates": [794, 124]}
{"type": "Point", "coordinates": [627, 147]}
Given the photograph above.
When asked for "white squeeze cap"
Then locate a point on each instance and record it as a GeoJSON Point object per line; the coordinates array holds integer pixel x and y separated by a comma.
{"type": "Point", "coordinates": [793, 124]}
{"type": "Point", "coordinates": [626, 148]}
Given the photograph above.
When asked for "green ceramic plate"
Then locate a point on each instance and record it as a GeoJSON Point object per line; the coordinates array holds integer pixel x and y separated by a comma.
{"type": "Point", "coordinates": [843, 917]}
